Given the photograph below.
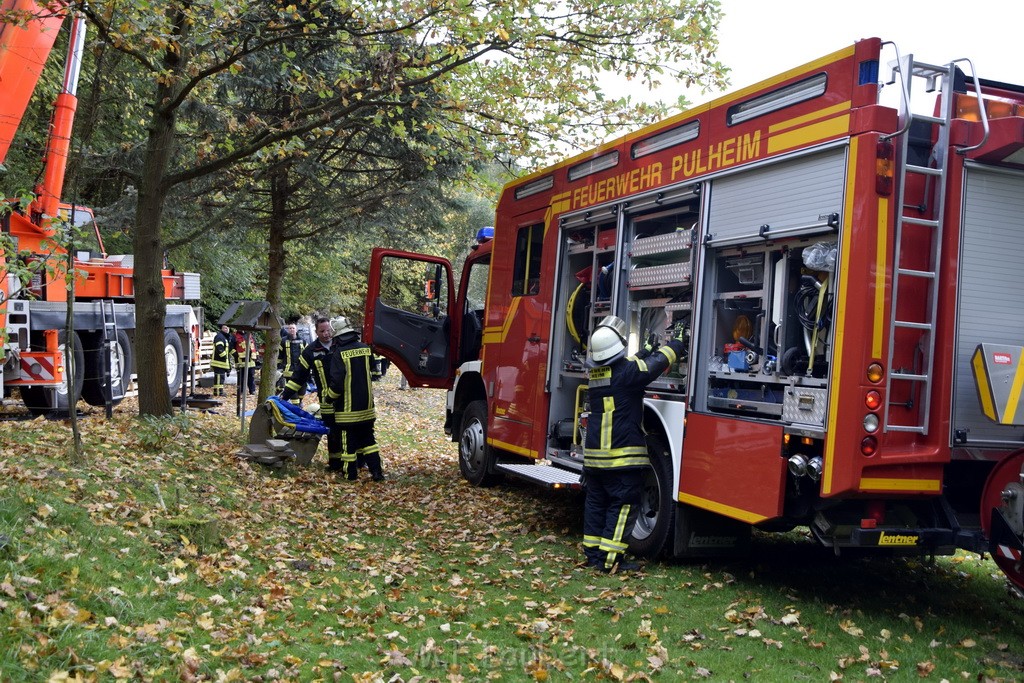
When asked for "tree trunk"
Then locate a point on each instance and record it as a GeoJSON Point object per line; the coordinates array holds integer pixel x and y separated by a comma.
{"type": "Point", "coordinates": [275, 271]}
{"type": "Point", "coordinates": [147, 239]}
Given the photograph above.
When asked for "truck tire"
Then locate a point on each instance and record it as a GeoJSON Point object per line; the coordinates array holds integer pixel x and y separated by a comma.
{"type": "Point", "coordinates": [175, 361]}
{"type": "Point", "coordinates": [476, 458]}
{"type": "Point", "coordinates": [36, 399]}
{"type": "Point", "coordinates": [118, 368]}
{"type": "Point", "coordinates": [41, 400]}
{"type": "Point", "coordinates": [656, 519]}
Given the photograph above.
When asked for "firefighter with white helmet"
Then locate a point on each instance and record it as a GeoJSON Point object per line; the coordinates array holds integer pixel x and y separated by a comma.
{"type": "Point", "coordinates": [350, 390]}
{"type": "Point", "coordinates": [615, 451]}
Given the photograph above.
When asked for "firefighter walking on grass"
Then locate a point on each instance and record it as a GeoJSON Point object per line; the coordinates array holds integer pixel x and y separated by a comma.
{"type": "Point", "coordinates": [615, 452]}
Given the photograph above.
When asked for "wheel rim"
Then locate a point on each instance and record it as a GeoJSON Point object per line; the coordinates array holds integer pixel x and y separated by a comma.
{"type": "Point", "coordinates": [171, 358]}
{"type": "Point", "coordinates": [62, 388]}
{"type": "Point", "coordinates": [115, 361]}
{"type": "Point", "coordinates": [471, 446]}
{"type": "Point", "coordinates": [650, 505]}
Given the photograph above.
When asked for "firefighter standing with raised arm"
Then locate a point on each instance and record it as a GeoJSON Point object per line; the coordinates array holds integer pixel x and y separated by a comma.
{"type": "Point", "coordinates": [615, 451]}
{"type": "Point", "coordinates": [350, 389]}
{"type": "Point", "coordinates": [312, 364]}
{"type": "Point", "coordinates": [223, 342]}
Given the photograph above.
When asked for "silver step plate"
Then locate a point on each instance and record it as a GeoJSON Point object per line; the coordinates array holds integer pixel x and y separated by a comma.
{"type": "Point", "coordinates": [543, 474]}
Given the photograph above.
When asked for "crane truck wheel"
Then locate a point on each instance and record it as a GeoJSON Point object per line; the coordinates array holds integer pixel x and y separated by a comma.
{"type": "Point", "coordinates": [175, 361]}
{"type": "Point", "coordinates": [476, 458]}
{"type": "Point", "coordinates": [40, 400]}
{"type": "Point", "coordinates": [656, 518]}
{"type": "Point", "coordinates": [115, 370]}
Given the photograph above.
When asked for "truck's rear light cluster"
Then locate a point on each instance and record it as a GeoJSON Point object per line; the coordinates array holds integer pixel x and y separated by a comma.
{"type": "Point", "coordinates": [868, 445]}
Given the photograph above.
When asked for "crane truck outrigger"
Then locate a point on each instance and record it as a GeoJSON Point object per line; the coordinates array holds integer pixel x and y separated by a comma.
{"type": "Point", "coordinates": [32, 314]}
{"type": "Point", "coordinates": [848, 271]}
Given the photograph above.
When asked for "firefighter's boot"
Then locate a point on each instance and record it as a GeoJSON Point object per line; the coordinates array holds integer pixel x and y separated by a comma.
{"type": "Point", "coordinates": [373, 463]}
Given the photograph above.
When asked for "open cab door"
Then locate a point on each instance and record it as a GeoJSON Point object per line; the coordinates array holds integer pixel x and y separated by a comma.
{"type": "Point", "coordinates": [407, 315]}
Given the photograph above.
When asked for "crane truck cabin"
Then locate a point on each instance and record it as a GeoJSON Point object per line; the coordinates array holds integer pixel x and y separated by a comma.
{"type": "Point", "coordinates": [33, 314]}
{"type": "Point", "coordinates": [847, 272]}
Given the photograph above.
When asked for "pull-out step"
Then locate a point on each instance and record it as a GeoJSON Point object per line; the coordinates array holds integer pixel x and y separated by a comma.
{"type": "Point", "coordinates": [552, 477]}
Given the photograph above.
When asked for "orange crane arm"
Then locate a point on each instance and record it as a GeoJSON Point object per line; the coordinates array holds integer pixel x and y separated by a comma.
{"type": "Point", "coordinates": [23, 51]}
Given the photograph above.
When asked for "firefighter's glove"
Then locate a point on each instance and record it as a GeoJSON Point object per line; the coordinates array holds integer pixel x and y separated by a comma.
{"type": "Point", "coordinates": [652, 343]}
{"type": "Point", "coordinates": [679, 333]}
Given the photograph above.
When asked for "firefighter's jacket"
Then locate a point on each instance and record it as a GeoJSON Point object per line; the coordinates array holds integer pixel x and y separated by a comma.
{"type": "Point", "coordinates": [615, 434]}
{"type": "Point", "coordinates": [240, 361]}
{"type": "Point", "coordinates": [312, 365]}
{"type": "Point", "coordinates": [222, 346]}
{"type": "Point", "coordinates": [289, 354]}
{"type": "Point", "coordinates": [349, 386]}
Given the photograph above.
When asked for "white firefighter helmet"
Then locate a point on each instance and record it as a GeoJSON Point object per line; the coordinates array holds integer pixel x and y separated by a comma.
{"type": "Point", "coordinates": [341, 325]}
{"type": "Point", "coordinates": [608, 341]}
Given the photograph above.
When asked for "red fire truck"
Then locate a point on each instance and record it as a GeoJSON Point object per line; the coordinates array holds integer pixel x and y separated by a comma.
{"type": "Point", "coordinates": [842, 243]}
{"type": "Point", "coordinates": [33, 313]}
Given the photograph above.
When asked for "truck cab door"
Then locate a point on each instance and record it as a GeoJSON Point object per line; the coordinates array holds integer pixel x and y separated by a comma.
{"type": "Point", "coordinates": [406, 317]}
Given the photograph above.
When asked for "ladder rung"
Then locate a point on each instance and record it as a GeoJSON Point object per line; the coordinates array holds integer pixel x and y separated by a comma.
{"type": "Point", "coordinates": [910, 378]}
{"type": "Point", "coordinates": [930, 119]}
{"type": "Point", "coordinates": [906, 324]}
{"type": "Point", "coordinates": [926, 222]}
{"type": "Point", "coordinates": [930, 274]}
{"type": "Point", "coordinates": [905, 428]}
{"type": "Point", "coordinates": [924, 170]}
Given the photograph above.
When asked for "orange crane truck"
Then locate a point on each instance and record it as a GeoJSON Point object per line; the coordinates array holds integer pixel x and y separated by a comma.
{"type": "Point", "coordinates": [34, 259]}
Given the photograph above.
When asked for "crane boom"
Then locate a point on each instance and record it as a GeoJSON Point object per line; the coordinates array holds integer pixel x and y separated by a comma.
{"type": "Point", "coordinates": [24, 48]}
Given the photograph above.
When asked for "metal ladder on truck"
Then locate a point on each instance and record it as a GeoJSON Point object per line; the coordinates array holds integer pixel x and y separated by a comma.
{"type": "Point", "coordinates": [113, 389]}
{"type": "Point", "coordinates": [934, 176]}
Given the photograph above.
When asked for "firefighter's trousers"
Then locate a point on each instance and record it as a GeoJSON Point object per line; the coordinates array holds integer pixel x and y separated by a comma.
{"type": "Point", "coordinates": [610, 511]}
{"type": "Point", "coordinates": [349, 442]}
{"type": "Point", "coordinates": [219, 375]}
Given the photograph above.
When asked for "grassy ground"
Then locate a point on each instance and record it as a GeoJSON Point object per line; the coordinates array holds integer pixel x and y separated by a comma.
{"type": "Point", "coordinates": [165, 557]}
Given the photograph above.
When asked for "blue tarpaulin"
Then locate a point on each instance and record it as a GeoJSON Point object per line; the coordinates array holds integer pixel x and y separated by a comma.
{"type": "Point", "coordinates": [296, 418]}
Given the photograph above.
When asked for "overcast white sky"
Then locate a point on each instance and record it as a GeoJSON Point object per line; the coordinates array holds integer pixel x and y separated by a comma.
{"type": "Point", "coordinates": [760, 38]}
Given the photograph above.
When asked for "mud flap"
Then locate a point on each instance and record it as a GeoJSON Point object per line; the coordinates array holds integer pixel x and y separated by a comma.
{"type": "Point", "coordinates": [699, 533]}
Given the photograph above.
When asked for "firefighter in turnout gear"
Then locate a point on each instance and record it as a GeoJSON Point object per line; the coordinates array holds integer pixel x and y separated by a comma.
{"type": "Point", "coordinates": [223, 342]}
{"type": "Point", "coordinates": [312, 365]}
{"type": "Point", "coordinates": [350, 391]}
{"type": "Point", "coordinates": [615, 451]}
{"type": "Point", "coordinates": [288, 357]}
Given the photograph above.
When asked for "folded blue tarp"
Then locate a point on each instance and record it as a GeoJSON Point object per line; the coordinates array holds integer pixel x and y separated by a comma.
{"type": "Point", "coordinates": [296, 418]}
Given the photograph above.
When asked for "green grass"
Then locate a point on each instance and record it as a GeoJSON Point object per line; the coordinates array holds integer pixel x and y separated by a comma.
{"type": "Point", "coordinates": [165, 557]}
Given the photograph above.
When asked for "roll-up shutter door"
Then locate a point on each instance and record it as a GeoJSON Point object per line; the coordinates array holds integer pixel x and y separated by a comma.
{"type": "Point", "coordinates": [991, 305]}
{"type": "Point", "coordinates": [794, 197]}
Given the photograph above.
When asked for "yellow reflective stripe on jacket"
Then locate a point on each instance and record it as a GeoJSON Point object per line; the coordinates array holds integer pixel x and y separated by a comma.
{"type": "Point", "coordinates": [318, 365]}
{"type": "Point", "coordinates": [632, 456]}
{"type": "Point", "coordinates": [341, 417]}
{"type": "Point", "coordinates": [606, 423]}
